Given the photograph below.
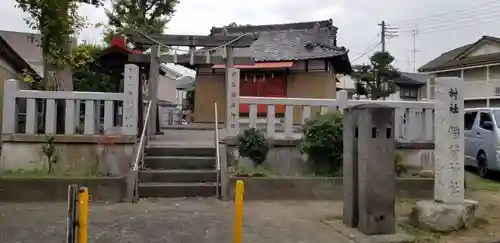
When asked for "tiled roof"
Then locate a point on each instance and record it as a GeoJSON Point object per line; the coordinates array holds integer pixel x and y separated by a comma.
{"type": "Point", "coordinates": [411, 79]}
{"type": "Point", "coordinates": [283, 42]}
{"type": "Point", "coordinates": [451, 58]}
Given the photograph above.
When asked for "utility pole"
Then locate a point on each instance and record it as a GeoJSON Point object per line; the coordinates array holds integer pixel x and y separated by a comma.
{"type": "Point", "coordinates": [382, 35]}
{"type": "Point", "coordinates": [414, 50]}
{"type": "Point", "coordinates": [385, 33]}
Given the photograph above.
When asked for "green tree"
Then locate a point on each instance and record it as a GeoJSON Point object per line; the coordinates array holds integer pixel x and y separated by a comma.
{"type": "Point", "coordinates": [87, 74]}
{"type": "Point", "coordinates": [148, 16]}
{"type": "Point", "coordinates": [57, 21]}
{"type": "Point", "coordinates": [376, 80]}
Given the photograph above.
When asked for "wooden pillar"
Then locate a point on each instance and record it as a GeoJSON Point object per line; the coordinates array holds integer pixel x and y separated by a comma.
{"type": "Point", "coordinates": [154, 75]}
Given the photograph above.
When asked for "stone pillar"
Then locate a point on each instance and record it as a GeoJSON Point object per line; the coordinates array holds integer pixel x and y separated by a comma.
{"type": "Point", "coordinates": [233, 95]}
{"type": "Point", "coordinates": [369, 173]}
{"type": "Point", "coordinates": [448, 211]}
{"type": "Point", "coordinates": [350, 169]}
{"type": "Point", "coordinates": [449, 141]}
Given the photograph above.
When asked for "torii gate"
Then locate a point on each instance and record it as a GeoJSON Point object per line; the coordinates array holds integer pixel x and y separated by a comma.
{"type": "Point", "coordinates": [191, 59]}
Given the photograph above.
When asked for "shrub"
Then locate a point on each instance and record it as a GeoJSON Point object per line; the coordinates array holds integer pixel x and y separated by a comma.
{"type": "Point", "coordinates": [398, 164]}
{"type": "Point", "coordinates": [253, 144]}
{"type": "Point", "coordinates": [322, 142]}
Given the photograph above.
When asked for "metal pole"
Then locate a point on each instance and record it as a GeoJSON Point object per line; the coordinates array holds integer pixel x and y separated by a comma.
{"type": "Point", "coordinates": [238, 211]}
{"type": "Point", "coordinates": [71, 217]}
{"type": "Point", "coordinates": [83, 212]}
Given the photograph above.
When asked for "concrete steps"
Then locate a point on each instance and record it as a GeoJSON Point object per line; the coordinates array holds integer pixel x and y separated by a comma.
{"type": "Point", "coordinates": [179, 176]}
{"type": "Point", "coordinates": [154, 189]}
{"type": "Point", "coordinates": [180, 151]}
{"type": "Point", "coordinates": [179, 162]}
{"type": "Point", "coordinates": [178, 172]}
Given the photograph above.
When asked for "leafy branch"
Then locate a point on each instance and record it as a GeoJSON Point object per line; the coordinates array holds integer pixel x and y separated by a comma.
{"type": "Point", "coordinates": [376, 80]}
{"type": "Point", "coordinates": [57, 21]}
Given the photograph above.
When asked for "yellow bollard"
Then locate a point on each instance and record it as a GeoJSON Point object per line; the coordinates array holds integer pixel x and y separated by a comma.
{"type": "Point", "coordinates": [238, 211]}
{"type": "Point", "coordinates": [83, 212]}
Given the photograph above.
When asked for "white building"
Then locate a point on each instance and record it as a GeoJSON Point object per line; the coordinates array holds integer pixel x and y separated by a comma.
{"type": "Point", "coordinates": [478, 64]}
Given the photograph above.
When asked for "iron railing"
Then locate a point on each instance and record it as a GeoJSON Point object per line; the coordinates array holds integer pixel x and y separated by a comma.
{"type": "Point", "coordinates": [217, 151]}
{"type": "Point", "coordinates": [139, 156]}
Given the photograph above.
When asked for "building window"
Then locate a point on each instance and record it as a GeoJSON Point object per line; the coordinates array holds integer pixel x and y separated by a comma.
{"type": "Point", "coordinates": [406, 92]}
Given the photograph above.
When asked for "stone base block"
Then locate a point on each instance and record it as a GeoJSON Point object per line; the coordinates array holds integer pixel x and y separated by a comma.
{"type": "Point", "coordinates": [355, 236]}
{"type": "Point", "coordinates": [442, 217]}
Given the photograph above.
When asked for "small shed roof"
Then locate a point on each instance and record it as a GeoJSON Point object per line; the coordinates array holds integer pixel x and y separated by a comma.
{"type": "Point", "coordinates": [413, 79]}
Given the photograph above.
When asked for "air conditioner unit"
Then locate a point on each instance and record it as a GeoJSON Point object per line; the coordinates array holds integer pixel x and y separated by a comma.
{"type": "Point", "coordinates": [497, 91]}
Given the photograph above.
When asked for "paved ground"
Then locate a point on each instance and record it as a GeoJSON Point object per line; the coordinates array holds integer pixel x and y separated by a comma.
{"type": "Point", "coordinates": [174, 220]}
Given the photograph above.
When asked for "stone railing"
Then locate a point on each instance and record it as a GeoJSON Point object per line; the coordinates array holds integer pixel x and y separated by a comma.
{"type": "Point", "coordinates": [414, 119]}
{"type": "Point", "coordinates": [38, 112]}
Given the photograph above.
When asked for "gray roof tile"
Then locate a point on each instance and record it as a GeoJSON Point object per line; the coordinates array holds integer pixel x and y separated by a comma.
{"type": "Point", "coordinates": [411, 79]}
{"type": "Point", "coordinates": [288, 41]}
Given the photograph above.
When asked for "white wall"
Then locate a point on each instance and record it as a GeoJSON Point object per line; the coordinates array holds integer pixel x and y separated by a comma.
{"type": "Point", "coordinates": [486, 48]}
{"type": "Point", "coordinates": [167, 89]}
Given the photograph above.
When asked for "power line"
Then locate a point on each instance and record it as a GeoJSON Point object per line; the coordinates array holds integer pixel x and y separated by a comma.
{"type": "Point", "coordinates": [457, 23]}
{"type": "Point", "coordinates": [455, 27]}
{"type": "Point", "coordinates": [445, 19]}
{"type": "Point", "coordinates": [440, 15]}
{"type": "Point", "coordinates": [366, 52]}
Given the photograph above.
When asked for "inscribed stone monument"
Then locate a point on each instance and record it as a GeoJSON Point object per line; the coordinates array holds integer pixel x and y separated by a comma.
{"type": "Point", "coordinates": [233, 94]}
{"type": "Point", "coordinates": [448, 211]}
{"type": "Point", "coordinates": [449, 141]}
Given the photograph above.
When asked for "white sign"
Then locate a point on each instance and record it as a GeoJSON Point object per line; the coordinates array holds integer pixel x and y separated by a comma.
{"type": "Point", "coordinates": [233, 94]}
{"type": "Point", "coordinates": [449, 141]}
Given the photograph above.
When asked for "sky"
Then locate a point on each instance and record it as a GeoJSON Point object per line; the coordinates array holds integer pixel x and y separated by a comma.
{"type": "Point", "coordinates": [439, 25]}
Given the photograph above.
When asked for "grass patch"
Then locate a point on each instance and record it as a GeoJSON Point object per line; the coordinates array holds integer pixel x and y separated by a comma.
{"type": "Point", "coordinates": [41, 173]}
{"type": "Point", "coordinates": [421, 236]}
{"type": "Point", "coordinates": [476, 183]}
{"type": "Point", "coordinates": [24, 173]}
{"type": "Point", "coordinates": [239, 171]}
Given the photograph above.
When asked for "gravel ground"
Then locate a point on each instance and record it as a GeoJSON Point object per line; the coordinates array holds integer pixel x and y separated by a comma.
{"type": "Point", "coordinates": [173, 220]}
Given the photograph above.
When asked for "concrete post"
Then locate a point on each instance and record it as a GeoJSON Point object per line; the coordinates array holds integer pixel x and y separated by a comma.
{"type": "Point", "coordinates": [10, 88]}
{"type": "Point", "coordinates": [369, 173]}
{"type": "Point", "coordinates": [350, 170]}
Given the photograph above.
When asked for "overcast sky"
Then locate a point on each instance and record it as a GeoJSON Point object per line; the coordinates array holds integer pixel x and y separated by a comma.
{"type": "Point", "coordinates": [442, 25]}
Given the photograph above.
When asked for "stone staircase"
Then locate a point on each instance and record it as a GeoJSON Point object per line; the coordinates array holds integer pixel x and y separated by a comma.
{"type": "Point", "coordinates": [178, 172]}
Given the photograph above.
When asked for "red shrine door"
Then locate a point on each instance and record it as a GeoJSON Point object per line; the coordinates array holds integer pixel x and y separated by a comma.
{"type": "Point", "coordinates": [263, 86]}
